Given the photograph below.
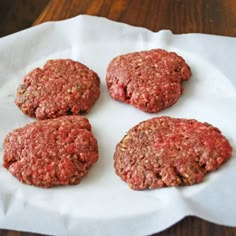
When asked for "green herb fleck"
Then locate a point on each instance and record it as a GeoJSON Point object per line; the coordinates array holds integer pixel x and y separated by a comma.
{"type": "Point", "coordinates": [78, 87]}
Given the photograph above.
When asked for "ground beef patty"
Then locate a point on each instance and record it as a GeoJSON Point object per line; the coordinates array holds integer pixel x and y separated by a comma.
{"type": "Point", "coordinates": [166, 151]}
{"type": "Point", "coordinates": [62, 87]}
{"type": "Point", "coordinates": [51, 152]}
{"type": "Point", "coordinates": [149, 80]}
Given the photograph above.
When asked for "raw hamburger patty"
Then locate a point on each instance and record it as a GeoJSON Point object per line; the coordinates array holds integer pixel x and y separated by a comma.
{"type": "Point", "coordinates": [166, 151]}
{"type": "Point", "coordinates": [149, 80]}
{"type": "Point", "coordinates": [51, 152]}
{"type": "Point", "coordinates": [62, 87]}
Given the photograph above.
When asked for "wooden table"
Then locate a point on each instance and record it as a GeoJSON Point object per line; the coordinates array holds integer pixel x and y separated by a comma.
{"type": "Point", "coordinates": [180, 16]}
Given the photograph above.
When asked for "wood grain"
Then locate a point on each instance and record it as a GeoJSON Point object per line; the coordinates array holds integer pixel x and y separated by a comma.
{"type": "Point", "coordinates": [16, 15]}
{"type": "Point", "coordinates": [180, 16]}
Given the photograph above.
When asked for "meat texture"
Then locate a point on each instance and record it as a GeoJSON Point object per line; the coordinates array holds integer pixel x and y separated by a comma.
{"type": "Point", "coordinates": [167, 151]}
{"type": "Point", "coordinates": [62, 87]}
{"type": "Point", "coordinates": [52, 152]}
{"type": "Point", "coordinates": [149, 80]}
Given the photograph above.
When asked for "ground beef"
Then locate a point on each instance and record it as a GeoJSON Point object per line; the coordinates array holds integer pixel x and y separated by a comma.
{"type": "Point", "coordinates": [62, 87]}
{"type": "Point", "coordinates": [52, 152]}
{"type": "Point", "coordinates": [149, 80]}
{"type": "Point", "coordinates": [166, 151]}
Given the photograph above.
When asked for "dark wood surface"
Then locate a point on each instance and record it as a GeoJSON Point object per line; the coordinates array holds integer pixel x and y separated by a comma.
{"type": "Point", "coordinates": [180, 16]}
{"type": "Point", "coordinates": [16, 15]}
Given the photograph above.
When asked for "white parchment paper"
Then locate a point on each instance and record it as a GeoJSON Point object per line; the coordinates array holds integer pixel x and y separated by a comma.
{"type": "Point", "coordinates": [103, 204]}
